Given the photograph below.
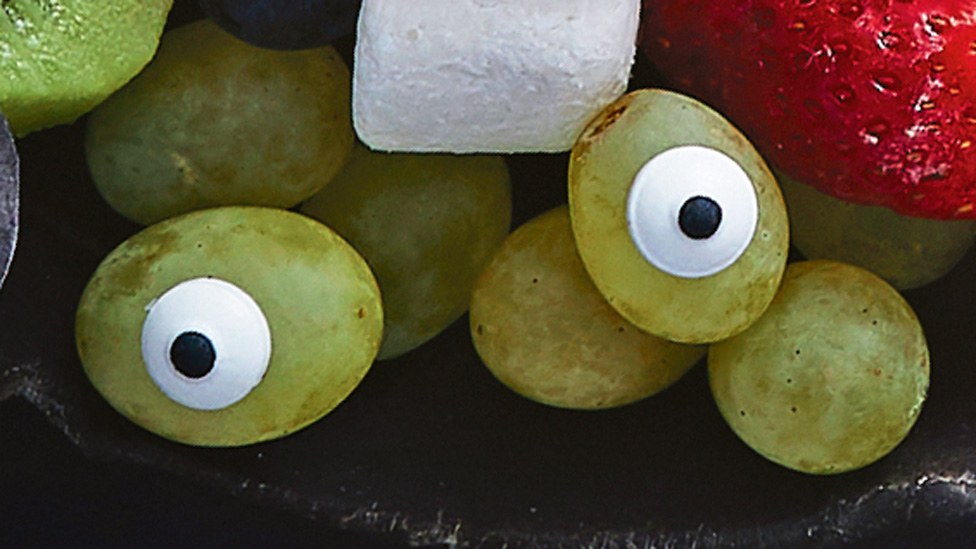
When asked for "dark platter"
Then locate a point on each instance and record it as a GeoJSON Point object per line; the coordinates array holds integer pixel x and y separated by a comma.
{"type": "Point", "coordinates": [431, 449]}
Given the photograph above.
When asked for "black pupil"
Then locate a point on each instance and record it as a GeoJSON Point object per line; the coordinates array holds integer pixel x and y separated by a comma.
{"type": "Point", "coordinates": [699, 217]}
{"type": "Point", "coordinates": [192, 354]}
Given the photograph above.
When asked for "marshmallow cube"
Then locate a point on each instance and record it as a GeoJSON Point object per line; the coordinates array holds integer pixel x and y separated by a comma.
{"type": "Point", "coordinates": [498, 76]}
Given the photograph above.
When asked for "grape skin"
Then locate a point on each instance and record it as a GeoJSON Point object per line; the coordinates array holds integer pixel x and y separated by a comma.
{"type": "Point", "coordinates": [427, 224]}
{"type": "Point", "coordinates": [213, 121]}
{"type": "Point", "coordinates": [907, 252]}
{"type": "Point", "coordinates": [604, 161]}
{"type": "Point", "coordinates": [319, 297]}
{"type": "Point", "coordinates": [831, 378]}
{"type": "Point", "coordinates": [544, 330]}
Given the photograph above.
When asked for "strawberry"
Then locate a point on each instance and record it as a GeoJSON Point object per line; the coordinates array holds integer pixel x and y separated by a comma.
{"type": "Point", "coordinates": [872, 101]}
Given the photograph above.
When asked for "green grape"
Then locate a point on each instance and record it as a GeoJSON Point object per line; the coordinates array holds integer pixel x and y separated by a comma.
{"type": "Point", "coordinates": [544, 330]}
{"type": "Point", "coordinates": [699, 299]}
{"type": "Point", "coordinates": [312, 295]}
{"type": "Point", "coordinates": [214, 121]}
{"type": "Point", "coordinates": [61, 58]}
{"type": "Point", "coordinates": [905, 251]}
{"type": "Point", "coordinates": [427, 225]}
{"type": "Point", "coordinates": [831, 378]}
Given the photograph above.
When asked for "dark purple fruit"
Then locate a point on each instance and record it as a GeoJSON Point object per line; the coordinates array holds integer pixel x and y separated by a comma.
{"type": "Point", "coordinates": [285, 24]}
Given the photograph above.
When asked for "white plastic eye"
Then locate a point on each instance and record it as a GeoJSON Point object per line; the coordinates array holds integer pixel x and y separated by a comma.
{"type": "Point", "coordinates": [206, 343]}
{"type": "Point", "coordinates": [692, 211]}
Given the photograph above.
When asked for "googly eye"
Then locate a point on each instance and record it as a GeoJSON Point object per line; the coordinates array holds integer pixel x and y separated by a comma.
{"type": "Point", "coordinates": [206, 343]}
{"type": "Point", "coordinates": [692, 211]}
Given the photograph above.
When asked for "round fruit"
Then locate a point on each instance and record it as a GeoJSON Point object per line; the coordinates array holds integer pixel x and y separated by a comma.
{"type": "Point", "coordinates": [229, 326]}
{"type": "Point", "coordinates": [908, 252]}
{"type": "Point", "coordinates": [544, 330]}
{"type": "Point", "coordinates": [427, 225]}
{"type": "Point", "coordinates": [677, 218]}
{"type": "Point", "coordinates": [831, 378]}
{"type": "Point", "coordinates": [285, 24]}
{"type": "Point", "coordinates": [60, 58]}
{"type": "Point", "coordinates": [213, 121]}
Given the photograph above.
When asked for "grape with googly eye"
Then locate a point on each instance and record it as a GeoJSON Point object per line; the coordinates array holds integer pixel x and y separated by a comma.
{"type": "Point", "coordinates": [678, 220]}
{"type": "Point", "coordinates": [229, 326]}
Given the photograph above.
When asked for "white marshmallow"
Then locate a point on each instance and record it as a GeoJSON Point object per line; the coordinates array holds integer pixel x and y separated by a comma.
{"type": "Point", "coordinates": [488, 75]}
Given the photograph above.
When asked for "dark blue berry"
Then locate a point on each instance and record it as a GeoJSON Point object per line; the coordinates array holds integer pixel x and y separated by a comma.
{"type": "Point", "coordinates": [285, 24]}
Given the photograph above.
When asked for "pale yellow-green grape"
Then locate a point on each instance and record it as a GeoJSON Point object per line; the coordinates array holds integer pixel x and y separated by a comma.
{"type": "Point", "coordinates": [213, 121]}
{"type": "Point", "coordinates": [305, 301]}
{"type": "Point", "coordinates": [427, 224]}
{"type": "Point", "coordinates": [907, 252]}
{"type": "Point", "coordinates": [831, 378]}
{"type": "Point", "coordinates": [608, 161]}
{"type": "Point", "coordinates": [60, 58]}
{"type": "Point", "coordinates": [544, 330]}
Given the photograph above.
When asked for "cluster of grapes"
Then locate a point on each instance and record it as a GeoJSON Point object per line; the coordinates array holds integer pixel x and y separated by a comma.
{"type": "Point", "coordinates": [231, 320]}
{"type": "Point", "coordinates": [822, 368]}
{"type": "Point", "coordinates": [210, 160]}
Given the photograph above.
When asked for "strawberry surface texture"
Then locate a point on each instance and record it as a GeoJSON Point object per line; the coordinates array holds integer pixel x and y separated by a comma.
{"type": "Point", "coordinates": [871, 101]}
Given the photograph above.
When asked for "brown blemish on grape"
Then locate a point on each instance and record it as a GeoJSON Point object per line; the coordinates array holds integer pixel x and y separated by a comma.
{"type": "Point", "coordinates": [136, 263]}
{"type": "Point", "coordinates": [604, 121]}
{"type": "Point", "coordinates": [361, 313]}
{"type": "Point", "coordinates": [608, 120]}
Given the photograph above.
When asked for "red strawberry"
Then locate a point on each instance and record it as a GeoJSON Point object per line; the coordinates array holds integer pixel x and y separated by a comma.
{"type": "Point", "coordinates": [873, 101]}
